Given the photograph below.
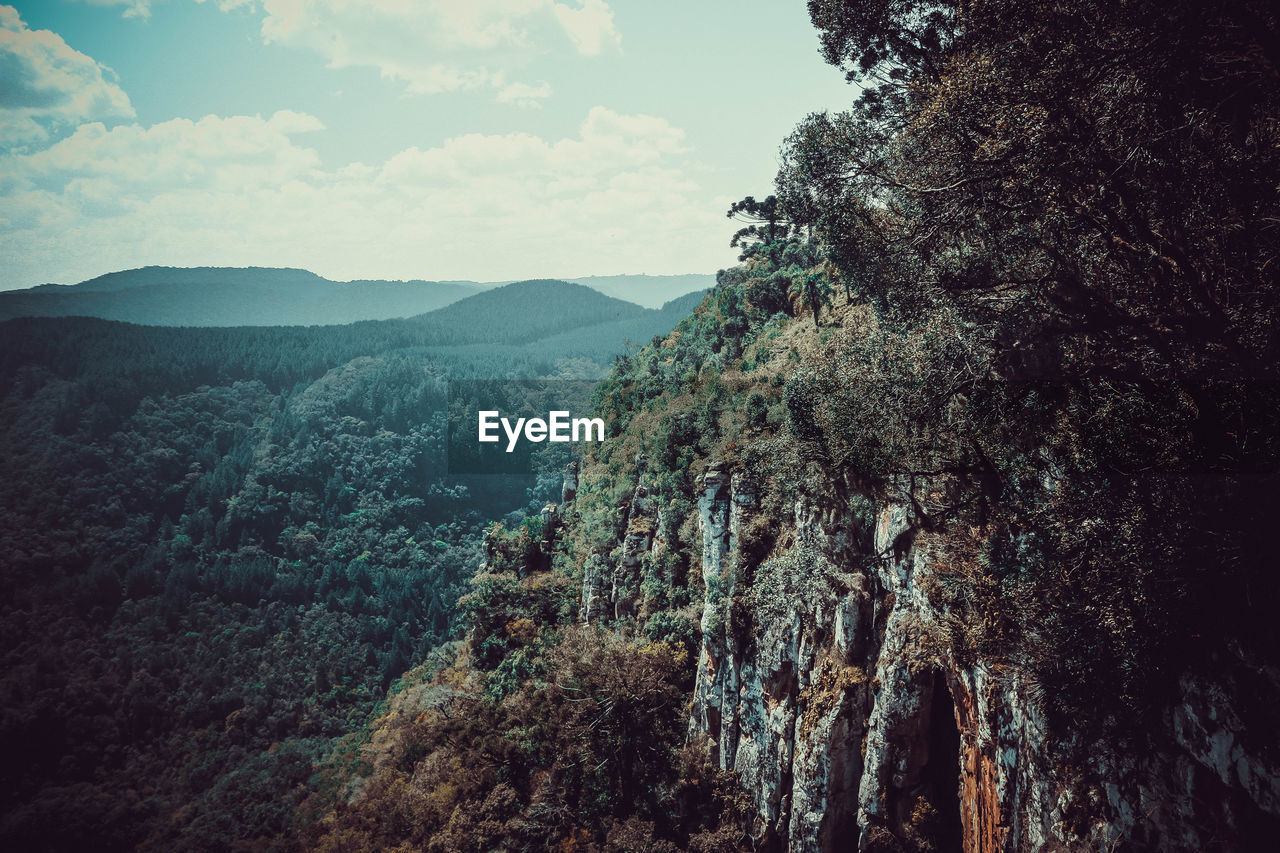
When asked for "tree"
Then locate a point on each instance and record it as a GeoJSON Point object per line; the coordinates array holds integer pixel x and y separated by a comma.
{"type": "Point", "coordinates": [1089, 185]}
{"type": "Point", "coordinates": [764, 226]}
{"type": "Point", "coordinates": [1082, 192]}
{"type": "Point", "coordinates": [811, 287]}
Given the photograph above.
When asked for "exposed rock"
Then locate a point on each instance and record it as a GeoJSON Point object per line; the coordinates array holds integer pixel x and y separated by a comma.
{"type": "Point", "coordinates": [569, 488]}
{"type": "Point", "coordinates": [838, 703]}
{"type": "Point", "coordinates": [712, 684]}
{"type": "Point", "coordinates": [637, 539]}
{"type": "Point", "coordinates": [1207, 725]}
{"type": "Point", "coordinates": [597, 579]}
{"type": "Point", "coordinates": [826, 683]}
{"type": "Point", "coordinates": [614, 592]}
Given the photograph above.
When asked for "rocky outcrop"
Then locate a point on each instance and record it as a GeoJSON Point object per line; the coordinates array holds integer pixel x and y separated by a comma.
{"type": "Point", "coordinates": [597, 579]}
{"type": "Point", "coordinates": [551, 519]}
{"type": "Point", "coordinates": [569, 486]}
{"type": "Point", "coordinates": [826, 684]}
{"type": "Point", "coordinates": [714, 680]}
{"type": "Point", "coordinates": [614, 593]}
{"type": "Point", "coordinates": [637, 540]}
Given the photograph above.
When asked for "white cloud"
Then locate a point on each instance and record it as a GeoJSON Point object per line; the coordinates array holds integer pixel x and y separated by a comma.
{"type": "Point", "coordinates": [176, 154]}
{"type": "Point", "coordinates": [589, 26]}
{"type": "Point", "coordinates": [132, 8]}
{"type": "Point", "coordinates": [434, 46]}
{"type": "Point", "coordinates": [616, 196]}
{"type": "Point", "coordinates": [46, 86]}
{"type": "Point", "coordinates": [524, 94]}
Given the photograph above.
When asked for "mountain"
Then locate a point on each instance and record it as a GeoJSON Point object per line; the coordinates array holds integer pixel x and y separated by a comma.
{"type": "Point", "coordinates": [536, 323]}
{"type": "Point", "coordinates": [945, 522]}
{"type": "Point", "coordinates": [266, 277]}
{"type": "Point", "coordinates": [524, 311]}
{"type": "Point", "coordinates": [744, 619]}
{"type": "Point", "coordinates": [651, 291]}
{"type": "Point", "coordinates": [635, 330]}
{"type": "Point", "coordinates": [259, 296]}
{"type": "Point", "coordinates": [210, 296]}
{"type": "Point", "coordinates": [942, 523]}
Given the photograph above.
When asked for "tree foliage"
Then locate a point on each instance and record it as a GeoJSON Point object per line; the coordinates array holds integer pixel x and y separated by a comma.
{"type": "Point", "coordinates": [1061, 222]}
{"type": "Point", "coordinates": [222, 545]}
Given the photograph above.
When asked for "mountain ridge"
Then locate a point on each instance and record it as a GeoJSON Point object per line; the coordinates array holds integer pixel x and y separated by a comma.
{"type": "Point", "coordinates": [541, 315]}
{"type": "Point", "coordinates": [285, 296]}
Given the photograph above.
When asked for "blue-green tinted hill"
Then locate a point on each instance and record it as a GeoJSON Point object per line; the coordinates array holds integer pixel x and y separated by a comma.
{"type": "Point", "coordinates": [537, 322]}
{"type": "Point", "coordinates": [525, 311]}
{"type": "Point", "coordinates": [213, 296]}
{"type": "Point", "coordinates": [651, 291]}
{"type": "Point", "coordinates": [262, 296]}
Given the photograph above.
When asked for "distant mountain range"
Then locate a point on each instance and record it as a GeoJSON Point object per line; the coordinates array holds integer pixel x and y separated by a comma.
{"type": "Point", "coordinates": [525, 328]}
{"type": "Point", "coordinates": [262, 296]}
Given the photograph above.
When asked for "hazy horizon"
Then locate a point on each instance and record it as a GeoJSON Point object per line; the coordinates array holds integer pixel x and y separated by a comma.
{"type": "Point", "coordinates": [491, 141]}
{"type": "Point", "coordinates": [360, 279]}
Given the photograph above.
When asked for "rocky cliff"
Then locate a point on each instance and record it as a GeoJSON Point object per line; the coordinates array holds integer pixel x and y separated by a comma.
{"type": "Point", "coordinates": [826, 684]}
{"type": "Point", "coordinates": [735, 632]}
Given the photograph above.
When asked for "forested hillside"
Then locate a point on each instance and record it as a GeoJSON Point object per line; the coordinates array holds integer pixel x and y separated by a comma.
{"type": "Point", "coordinates": [222, 545]}
{"type": "Point", "coordinates": [943, 523]}
{"type": "Point", "coordinates": [128, 358]}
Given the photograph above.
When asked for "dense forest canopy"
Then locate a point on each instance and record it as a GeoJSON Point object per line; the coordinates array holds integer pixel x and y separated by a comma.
{"type": "Point", "coordinates": [222, 545]}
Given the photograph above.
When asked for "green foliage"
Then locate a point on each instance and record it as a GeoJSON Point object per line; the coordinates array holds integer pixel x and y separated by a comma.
{"type": "Point", "coordinates": [1027, 170]}
{"type": "Point", "coordinates": [1031, 207]}
{"type": "Point", "coordinates": [502, 612]}
{"type": "Point", "coordinates": [802, 580]}
{"type": "Point", "coordinates": [217, 540]}
{"type": "Point", "coordinates": [676, 629]}
{"type": "Point", "coordinates": [586, 754]}
{"type": "Point", "coordinates": [1053, 230]}
{"type": "Point", "coordinates": [810, 287]}
{"type": "Point", "coordinates": [756, 412]}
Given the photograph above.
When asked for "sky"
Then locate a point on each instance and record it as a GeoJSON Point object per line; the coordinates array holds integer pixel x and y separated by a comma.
{"type": "Point", "coordinates": [398, 139]}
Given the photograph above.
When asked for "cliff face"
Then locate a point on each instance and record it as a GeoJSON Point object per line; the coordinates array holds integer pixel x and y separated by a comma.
{"type": "Point", "coordinates": [740, 629]}
{"type": "Point", "coordinates": [825, 682]}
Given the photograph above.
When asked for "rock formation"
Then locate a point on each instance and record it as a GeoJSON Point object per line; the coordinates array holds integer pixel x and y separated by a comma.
{"type": "Point", "coordinates": [825, 682]}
